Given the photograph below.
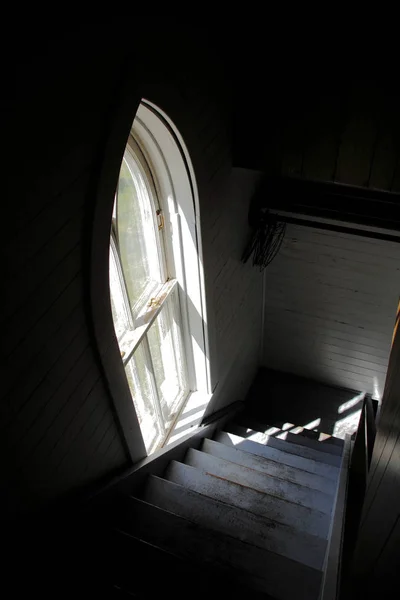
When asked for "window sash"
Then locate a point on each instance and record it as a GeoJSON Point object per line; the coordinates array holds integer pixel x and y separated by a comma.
{"type": "Point", "coordinates": [136, 335]}
{"type": "Point", "coordinates": [165, 410]}
{"type": "Point", "coordinates": [132, 338]}
{"type": "Point", "coordinates": [122, 285]}
{"type": "Point", "coordinates": [165, 403]}
{"type": "Point", "coordinates": [154, 388]}
{"type": "Point", "coordinates": [140, 172]}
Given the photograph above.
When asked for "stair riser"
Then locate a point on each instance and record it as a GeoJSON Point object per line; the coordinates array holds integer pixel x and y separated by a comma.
{"type": "Point", "coordinates": [329, 444]}
{"type": "Point", "coordinates": [256, 480]}
{"type": "Point", "coordinates": [288, 513]}
{"type": "Point", "coordinates": [275, 469]}
{"type": "Point", "coordinates": [280, 456]}
{"type": "Point", "coordinates": [264, 570]}
{"type": "Point", "coordinates": [288, 447]}
{"type": "Point", "coordinates": [302, 440]}
{"type": "Point", "coordinates": [230, 520]}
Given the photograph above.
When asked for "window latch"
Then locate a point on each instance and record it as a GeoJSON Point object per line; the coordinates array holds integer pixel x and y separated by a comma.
{"type": "Point", "coordinates": [160, 219]}
{"type": "Point", "coordinates": [154, 302]}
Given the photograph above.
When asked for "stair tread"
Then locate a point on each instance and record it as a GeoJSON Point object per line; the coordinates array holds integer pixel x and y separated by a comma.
{"type": "Point", "coordinates": [326, 445]}
{"type": "Point", "coordinates": [288, 447]}
{"type": "Point", "coordinates": [123, 546]}
{"type": "Point", "coordinates": [303, 440]}
{"type": "Point", "coordinates": [268, 466]}
{"type": "Point", "coordinates": [291, 436]}
{"type": "Point", "coordinates": [261, 569]}
{"type": "Point", "coordinates": [288, 513]}
{"type": "Point", "coordinates": [264, 483]}
{"type": "Point", "coordinates": [121, 551]}
{"type": "Point", "coordinates": [236, 522]}
{"type": "Point", "coordinates": [278, 455]}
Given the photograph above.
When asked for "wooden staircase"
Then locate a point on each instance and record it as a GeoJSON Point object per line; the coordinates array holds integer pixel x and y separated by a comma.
{"type": "Point", "coordinates": [247, 511]}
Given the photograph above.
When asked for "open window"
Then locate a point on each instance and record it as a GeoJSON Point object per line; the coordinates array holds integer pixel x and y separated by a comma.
{"type": "Point", "coordinates": [155, 277]}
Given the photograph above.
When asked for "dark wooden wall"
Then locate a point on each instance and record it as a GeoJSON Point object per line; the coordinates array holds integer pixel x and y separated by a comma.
{"type": "Point", "coordinates": [324, 126]}
{"type": "Point", "coordinates": [377, 558]}
{"type": "Point", "coordinates": [59, 431]}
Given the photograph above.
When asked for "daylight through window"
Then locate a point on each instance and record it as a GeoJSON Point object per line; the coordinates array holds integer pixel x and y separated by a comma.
{"type": "Point", "coordinates": [145, 297]}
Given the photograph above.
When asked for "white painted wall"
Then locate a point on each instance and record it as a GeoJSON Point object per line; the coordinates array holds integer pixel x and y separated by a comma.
{"type": "Point", "coordinates": [234, 289]}
{"type": "Point", "coordinates": [330, 307]}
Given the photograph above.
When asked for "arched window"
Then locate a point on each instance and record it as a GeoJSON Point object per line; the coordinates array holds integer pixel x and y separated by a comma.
{"type": "Point", "coordinates": [155, 319]}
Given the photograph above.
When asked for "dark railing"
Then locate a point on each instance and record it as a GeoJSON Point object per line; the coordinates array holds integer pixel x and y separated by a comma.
{"type": "Point", "coordinates": [362, 451]}
{"type": "Point", "coordinates": [358, 480]}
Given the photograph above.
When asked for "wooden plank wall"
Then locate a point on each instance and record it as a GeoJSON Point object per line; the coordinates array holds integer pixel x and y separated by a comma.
{"type": "Point", "coordinates": [235, 291]}
{"type": "Point", "coordinates": [58, 429]}
{"type": "Point", "coordinates": [347, 133]}
{"type": "Point", "coordinates": [377, 557]}
{"type": "Point", "coordinates": [330, 307]}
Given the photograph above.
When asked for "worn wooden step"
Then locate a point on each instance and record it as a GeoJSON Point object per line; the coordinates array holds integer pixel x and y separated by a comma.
{"type": "Point", "coordinates": [303, 440]}
{"type": "Point", "coordinates": [280, 456]}
{"type": "Point", "coordinates": [252, 423]}
{"type": "Point", "coordinates": [302, 518]}
{"type": "Point", "coordinates": [288, 447]}
{"type": "Point", "coordinates": [231, 520]}
{"type": "Point", "coordinates": [269, 467]}
{"type": "Point", "coordinates": [259, 481]}
{"type": "Point", "coordinates": [294, 448]}
{"type": "Point", "coordinates": [111, 558]}
{"type": "Point", "coordinates": [295, 436]}
{"type": "Point", "coordinates": [143, 569]}
{"type": "Point", "coordinates": [262, 570]}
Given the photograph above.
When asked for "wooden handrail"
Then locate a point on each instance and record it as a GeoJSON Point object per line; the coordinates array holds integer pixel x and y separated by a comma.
{"type": "Point", "coordinates": [370, 427]}
{"type": "Point", "coordinates": [359, 461]}
{"type": "Point", "coordinates": [333, 561]}
{"type": "Point", "coordinates": [358, 480]}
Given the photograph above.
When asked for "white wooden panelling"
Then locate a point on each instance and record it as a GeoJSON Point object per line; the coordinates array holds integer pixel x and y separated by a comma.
{"type": "Point", "coordinates": [58, 429]}
{"type": "Point", "coordinates": [330, 306]}
{"type": "Point", "coordinates": [234, 301]}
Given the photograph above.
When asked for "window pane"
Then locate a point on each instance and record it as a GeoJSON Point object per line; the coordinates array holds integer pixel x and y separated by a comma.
{"type": "Point", "coordinates": [136, 234]}
{"type": "Point", "coordinates": [140, 385]}
{"type": "Point", "coordinates": [118, 307]}
{"type": "Point", "coordinates": [165, 343]}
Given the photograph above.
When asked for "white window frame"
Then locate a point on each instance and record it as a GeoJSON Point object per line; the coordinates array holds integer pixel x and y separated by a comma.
{"type": "Point", "coordinates": [176, 190]}
{"type": "Point", "coordinates": [166, 152]}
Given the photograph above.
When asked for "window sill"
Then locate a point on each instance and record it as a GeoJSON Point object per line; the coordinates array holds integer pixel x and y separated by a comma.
{"type": "Point", "coordinates": [190, 416]}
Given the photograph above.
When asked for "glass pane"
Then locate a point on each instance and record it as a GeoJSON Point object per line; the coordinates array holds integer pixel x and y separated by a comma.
{"type": "Point", "coordinates": [165, 341]}
{"type": "Point", "coordinates": [140, 385]}
{"type": "Point", "coordinates": [118, 307]}
{"type": "Point", "coordinates": [137, 234]}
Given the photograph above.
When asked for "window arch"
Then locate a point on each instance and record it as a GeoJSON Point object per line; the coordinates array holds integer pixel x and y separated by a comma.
{"type": "Point", "coordinates": [155, 274]}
